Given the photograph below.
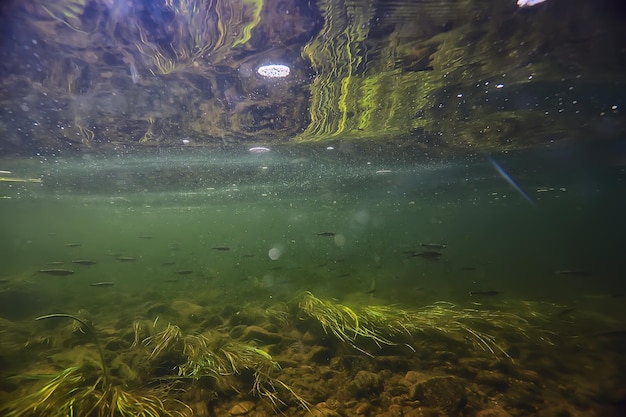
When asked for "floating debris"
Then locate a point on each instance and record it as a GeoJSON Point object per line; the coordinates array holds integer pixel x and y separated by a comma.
{"type": "Point", "coordinates": [221, 248]}
{"type": "Point", "coordinates": [126, 258]}
{"type": "Point", "coordinates": [326, 234]}
{"type": "Point", "coordinates": [573, 272]}
{"type": "Point", "coordinates": [73, 245]}
{"type": "Point", "coordinates": [102, 284]}
{"type": "Point", "coordinates": [185, 272]}
{"type": "Point", "coordinates": [489, 293]}
{"type": "Point", "coordinates": [15, 179]}
{"type": "Point", "coordinates": [83, 262]}
{"type": "Point", "coordinates": [433, 245]}
{"type": "Point", "coordinates": [57, 272]}
{"type": "Point", "coordinates": [511, 181]}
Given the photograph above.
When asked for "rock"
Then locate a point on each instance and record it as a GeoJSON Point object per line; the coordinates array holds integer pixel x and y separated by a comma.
{"type": "Point", "coordinates": [446, 393]}
{"type": "Point", "coordinates": [494, 380]}
{"type": "Point", "coordinates": [365, 383]}
{"type": "Point", "coordinates": [241, 408]}
{"type": "Point", "coordinates": [493, 412]}
{"type": "Point", "coordinates": [394, 410]}
{"type": "Point", "coordinates": [188, 310]}
{"type": "Point", "coordinates": [201, 409]}
{"type": "Point", "coordinates": [321, 412]}
{"type": "Point", "coordinates": [362, 408]}
{"type": "Point", "coordinates": [309, 338]}
{"type": "Point", "coordinates": [319, 355]}
{"type": "Point", "coordinates": [414, 376]}
{"type": "Point", "coordinates": [260, 334]}
{"type": "Point", "coordinates": [393, 363]}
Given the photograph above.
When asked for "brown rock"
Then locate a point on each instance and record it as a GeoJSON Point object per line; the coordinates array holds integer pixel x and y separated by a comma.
{"type": "Point", "coordinates": [493, 412]}
{"type": "Point", "coordinates": [319, 354]}
{"type": "Point", "coordinates": [259, 333]}
{"type": "Point", "coordinates": [241, 408]}
{"type": "Point", "coordinates": [363, 408]}
{"type": "Point", "coordinates": [446, 393]}
{"type": "Point", "coordinates": [321, 412]}
{"type": "Point", "coordinates": [366, 383]}
{"type": "Point", "coordinates": [414, 376]}
{"type": "Point", "coordinates": [201, 409]}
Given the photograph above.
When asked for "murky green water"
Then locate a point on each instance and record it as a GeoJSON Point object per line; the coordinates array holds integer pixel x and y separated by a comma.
{"type": "Point", "coordinates": [269, 209]}
{"type": "Point", "coordinates": [223, 228]}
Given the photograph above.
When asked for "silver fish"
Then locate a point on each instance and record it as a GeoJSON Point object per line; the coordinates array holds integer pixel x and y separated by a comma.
{"type": "Point", "coordinates": [57, 272]}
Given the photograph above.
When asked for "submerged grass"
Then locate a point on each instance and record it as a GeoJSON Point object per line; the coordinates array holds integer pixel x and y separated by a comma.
{"type": "Point", "coordinates": [83, 391]}
{"type": "Point", "coordinates": [389, 325]}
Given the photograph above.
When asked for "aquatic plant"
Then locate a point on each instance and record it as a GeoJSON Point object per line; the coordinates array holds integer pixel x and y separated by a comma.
{"type": "Point", "coordinates": [82, 391]}
{"type": "Point", "coordinates": [342, 321]}
{"type": "Point", "coordinates": [219, 357]}
{"type": "Point", "coordinates": [390, 325]}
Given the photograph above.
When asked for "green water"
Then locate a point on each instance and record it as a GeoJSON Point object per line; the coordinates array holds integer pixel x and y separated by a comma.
{"type": "Point", "coordinates": [169, 210]}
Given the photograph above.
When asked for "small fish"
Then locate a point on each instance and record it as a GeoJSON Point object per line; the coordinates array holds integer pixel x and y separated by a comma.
{"type": "Point", "coordinates": [430, 255]}
{"type": "Point", "coordinates": [83, 262]}
{"type": "Point", "coordinates": [221, 248]}
{"type": "Point", "coordinates": [73, 245]}
{"type": "Point", "coordinates": [489, 293]}
{"type": "Point", "coordinates": [102, 284]}
{"type": "Point", "coordinates": [55, 263]}
{"type": "Point", "coordinates": [185, 272]}
{"type": "Point", "coordinates": [433, 245]}
{"type": "Point", "coordinates": [145, 237]}
{"type": "Point", "coordinates": [126, 258]}
{"type": "Point", "coordinates": [372, 291]}
{"type": "Point", "coordinates": [326, 234]}
{"type": "Point", "coordinates": [4, 281]}
{"type": "Point", "coordinates": [57, 272]}
{"type": "Point", "coordinates": [573, 273]}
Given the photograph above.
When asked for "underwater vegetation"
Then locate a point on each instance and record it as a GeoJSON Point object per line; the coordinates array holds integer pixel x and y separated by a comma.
{"type": "Point", "coordinates": [389, 325]}
{"type": "Point", "coordinates": [165, 363]}
{"type": "Point", "coordinates": [84, 391]}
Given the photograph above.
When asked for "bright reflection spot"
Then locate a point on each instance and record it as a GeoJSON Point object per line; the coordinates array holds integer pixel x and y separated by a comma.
{"type": "Point", "coordinates": [274, 254]}
{"type": "Point", "coordinates": [340, 240]}
{"type": "Point", "coordinates": [259, 149]}
{"type": "Point", "coordinates": [273, 71]}
{"type": "Point", "coordinates": [529, 3]}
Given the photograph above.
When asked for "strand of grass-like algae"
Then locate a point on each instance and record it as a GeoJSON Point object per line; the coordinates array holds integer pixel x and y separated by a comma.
{"type": "Point", "coordinates": [91, 333]}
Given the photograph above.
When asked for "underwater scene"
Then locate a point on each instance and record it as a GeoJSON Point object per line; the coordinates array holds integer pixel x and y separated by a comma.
{"type": "Point", "coordinates": [329, 208]}
{"type": "Point", "coordinates": [312, 282]}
